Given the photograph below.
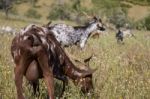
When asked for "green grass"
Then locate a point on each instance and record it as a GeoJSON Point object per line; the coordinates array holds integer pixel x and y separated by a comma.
{"type": "Point", "coordinates": [123, 70]}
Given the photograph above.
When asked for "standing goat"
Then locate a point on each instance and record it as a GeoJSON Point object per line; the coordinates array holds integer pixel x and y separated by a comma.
{"type": "Point", "coordinates": [37, 54]}
{"type": "Point", "coordinates": [69, 35]}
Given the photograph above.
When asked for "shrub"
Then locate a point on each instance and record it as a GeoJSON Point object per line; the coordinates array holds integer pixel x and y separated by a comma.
{"type": "Point", "coordinates": [118, 18]}
{"type": "Point", "coordinates": [147, 22]}
{"type": "Point", "coordinates": [125, 5]}
{"type": "Point", "coordinates": [31, 13]}
{"type": "Point", "coordinates": [59, 12]}
{"type": "Point", "coordinates": [14, 11]}
{"type": "Point", "coordinates": [20, 1]}
{"type": "Point", "coordinates": [67, 12]}
{"type": "Point", "coordinates": [1, 4]}
{"type": "Point", "coordinates": [139, 25]}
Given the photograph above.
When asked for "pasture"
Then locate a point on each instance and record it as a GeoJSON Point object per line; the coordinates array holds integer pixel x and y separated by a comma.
{"type": "Point", "coordinates": [123, 71]}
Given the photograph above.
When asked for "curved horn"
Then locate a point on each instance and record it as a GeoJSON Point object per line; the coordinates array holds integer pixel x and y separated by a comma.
{"type": "Point", "coordinates": [48, 24]}
{"type": "Point", "coordinates": [95, 18]}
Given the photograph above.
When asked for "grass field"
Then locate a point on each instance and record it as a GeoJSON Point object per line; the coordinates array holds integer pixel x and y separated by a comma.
{"type": "Point", "coordinates": [123, 71]}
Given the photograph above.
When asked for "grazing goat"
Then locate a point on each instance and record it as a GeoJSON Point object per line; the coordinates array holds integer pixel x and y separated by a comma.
{"type": "Point", "coordinates": [69, 35]}
{"type": "Point", "coordinates": [121, 34]}
{"type": "Point", "coordinates": [37, 54]}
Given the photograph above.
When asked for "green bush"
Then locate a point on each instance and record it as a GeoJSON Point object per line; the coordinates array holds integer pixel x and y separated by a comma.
{"type": "Point", "coordinates": [59, 12]}
{"type": "Point", "coordinates": [14, 11]}
{"type": "Point", "coordinates": [20, 1]}
{"type": "Point", "coordinates": [139, 2]}
{"type": "Point", "coordinates": [1, 4]}
{"type": "Point", "coordinates": [125, 5]}
{"type": "Point", "coordinates": [118, 18]}
{"type": "Point", "coordinates": [31, 13]}
{"type": "Point", "coordinates": [143, 24]}
{"type": "Point", "coordinates": [67, 12]}
{"type": "Point", "coordinates": [139, 25]}
{"type": "Point", "coordinates": [147, 22]}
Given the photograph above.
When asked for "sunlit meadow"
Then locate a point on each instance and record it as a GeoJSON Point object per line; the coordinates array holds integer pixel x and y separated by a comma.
{"type": "Point", "coordinates": [123, 71]}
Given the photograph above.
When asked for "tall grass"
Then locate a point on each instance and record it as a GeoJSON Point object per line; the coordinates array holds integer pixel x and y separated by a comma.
{"type": "Point", "coordinates": [123, 70]}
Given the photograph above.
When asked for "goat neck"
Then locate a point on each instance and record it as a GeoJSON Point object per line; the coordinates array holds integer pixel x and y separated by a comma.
{"type": "Point", "coordinates": [73, 72]}
{"type": "Point", "coordinates": [90, 28]}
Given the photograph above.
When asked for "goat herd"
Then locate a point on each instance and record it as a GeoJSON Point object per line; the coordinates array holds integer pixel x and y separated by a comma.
{"type": "Point", "coordinates": [38, 53]}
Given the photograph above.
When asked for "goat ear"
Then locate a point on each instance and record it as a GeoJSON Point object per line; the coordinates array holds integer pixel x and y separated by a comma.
{"type": "Point", "coordinates": [100, 20]}
{"type": "Point", "coordinates": [95, 18]}
{"type": "Point", "coordinates": [79, 62]}
{"type": "Point", "coordinates": [87, 60]}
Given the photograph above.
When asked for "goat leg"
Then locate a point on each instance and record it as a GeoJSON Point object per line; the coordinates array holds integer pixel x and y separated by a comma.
{"type": "Point", "coordinates": [65, 82]}
{"type": "Point", "coordinates": [22, 64]}
{"type": "Point", "coordinates": [63, 90]}
{"type": "Point", "coordinates": [18, 82]}
{"type": "Point", "coordinates": [82, 42]}
{"type": "Point", "coordinates": [19, 72]}
{"type": "Point", "coordinates": [35, 86]}
{"type": "Point", "coordinates": [47, 72]}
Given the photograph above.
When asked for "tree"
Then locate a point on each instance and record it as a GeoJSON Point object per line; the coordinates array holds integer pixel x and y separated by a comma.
{"type": "Point", "coordinates": [7, 5]}
{"type": "Point", "coordinates": [33, 2]}
{"type": "Point", "coordinates": [1, 4]}
{"type": "Point", "coordinates": [77, 5]}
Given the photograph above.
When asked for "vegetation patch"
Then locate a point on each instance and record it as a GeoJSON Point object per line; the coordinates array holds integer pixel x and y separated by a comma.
{"type": "Point", "coordinates": [32, 13]}
{"type": "Point", "coordinates": [123, 71]}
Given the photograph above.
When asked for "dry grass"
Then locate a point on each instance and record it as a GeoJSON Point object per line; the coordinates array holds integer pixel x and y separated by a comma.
{"type": "Point", "coordinates": [138, 12]}
{"type": "Point", "coordinates": [123, 70]}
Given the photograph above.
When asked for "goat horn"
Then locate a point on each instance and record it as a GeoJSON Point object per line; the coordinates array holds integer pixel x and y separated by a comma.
{"type": "Point", "coordinates": [47, 25]}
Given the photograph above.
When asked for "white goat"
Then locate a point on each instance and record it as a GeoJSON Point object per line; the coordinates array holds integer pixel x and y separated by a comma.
{"type": "Point", "coordinates": [69, 35]}
{"type": "Point", "coordinates": [8, 30]}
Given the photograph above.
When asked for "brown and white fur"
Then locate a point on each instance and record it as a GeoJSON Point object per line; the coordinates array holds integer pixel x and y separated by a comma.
{"type": "Point", "coordinates": [37, 54]}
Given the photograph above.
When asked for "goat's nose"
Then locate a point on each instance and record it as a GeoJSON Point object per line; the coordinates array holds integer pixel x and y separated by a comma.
{"type": "Point", "coordinates": [103, 28]}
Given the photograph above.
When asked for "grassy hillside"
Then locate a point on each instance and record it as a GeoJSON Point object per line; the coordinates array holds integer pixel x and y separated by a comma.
{"type": "Point", "coordinates": [123, 71]}
{"type": "Point", "coordinates": [138, 12]}
{"type": "Point", "coordinates": [116, 12]}
{"type": "Point", "coordinates": [43, 7]}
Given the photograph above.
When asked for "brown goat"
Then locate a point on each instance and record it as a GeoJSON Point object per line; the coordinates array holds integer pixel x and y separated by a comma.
{"type": "Point", "coordinates": [37, 54]}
